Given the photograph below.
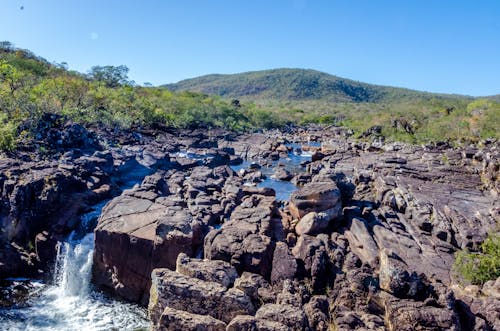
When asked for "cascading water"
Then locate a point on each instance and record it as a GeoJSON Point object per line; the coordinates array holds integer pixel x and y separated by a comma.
{"type": "Point", "coordinates": [71, 303]}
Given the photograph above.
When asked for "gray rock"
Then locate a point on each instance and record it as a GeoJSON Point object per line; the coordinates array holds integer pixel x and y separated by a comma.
{"type": "Point", "coordinates": [291, 316]}
{"type": "Point", "coordinates": [256, 287]}
{"type": "Point", "coordinates": [284, 264]}
{"type": "Point", "coordinates": [317, 313]}
{"type": "Point", "coordinates": [179, 320]}
{"type": "Point", "coordinates": [282, 174]}
{"type": "Point", "coordinates": [313, 223]}
{"type": "Point", "coordinates": [250, 323]}
{"type": "Point", "coordinates": [177, 291]}
{"type": "Point", "coordinates": [208, 270]}
{"type": "Point", "coordinates": [361, 242]}
{"type": "Point", "coordinates": [315, 197]}
{"type": "Point", "coordinates": [245, 240]}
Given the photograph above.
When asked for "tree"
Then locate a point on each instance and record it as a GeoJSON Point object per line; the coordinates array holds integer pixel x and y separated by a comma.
{"type": "Point", "coordinates": [6, 46]}
{"type": "Point", "coordinates": [14, 78]}
{"type": "Point", "coordinates": [112, 76]}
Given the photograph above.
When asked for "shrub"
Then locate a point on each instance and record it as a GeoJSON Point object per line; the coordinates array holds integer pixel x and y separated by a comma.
{"type": "Point", "coordinates": [479, 267]}
{"type": "Point", "coordinates": [7, 136]}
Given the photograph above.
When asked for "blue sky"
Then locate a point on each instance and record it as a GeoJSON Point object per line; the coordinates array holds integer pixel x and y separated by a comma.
{"type": "Point", "coordinates": [450, 46]}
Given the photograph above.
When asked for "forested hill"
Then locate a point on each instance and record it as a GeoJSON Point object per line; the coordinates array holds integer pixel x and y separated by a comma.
{"type": "Point", "coordinates": [32, 87]}
{"type": "Point", "coordinates": [298, 85]}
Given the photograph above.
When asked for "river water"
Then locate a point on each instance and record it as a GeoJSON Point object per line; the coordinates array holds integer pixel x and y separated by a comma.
{"type": "Point", "coordinates": [71, 303]}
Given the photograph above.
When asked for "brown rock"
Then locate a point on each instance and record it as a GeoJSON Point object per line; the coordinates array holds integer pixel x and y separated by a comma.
{"type": "Point", "coordinates": [291, 316]}
{"type": "Point", "coordinates": [179, 320]}
{"type": "Point", "coordinates": [208, 270]}
{"type": "Point", "coordinates": [315, 197]}
{"type": "Point", "coordinates": [284, 264]}
{"type": "Point", "coordinates": [174, 290]}
{"type": "Point", "coordinates": [250, 323]}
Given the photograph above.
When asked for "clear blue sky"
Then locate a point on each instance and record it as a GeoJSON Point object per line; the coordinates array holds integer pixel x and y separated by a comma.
{"type": "Point", "coordinates": [448, 46]}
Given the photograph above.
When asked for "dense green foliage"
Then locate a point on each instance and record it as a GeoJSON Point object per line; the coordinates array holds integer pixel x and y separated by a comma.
{"type": "Point", "coordinates": [303, 96]}
{"type": "Point", "coordinates": [31, 86]}
{"type": "Point", "coordinates": [298, 85]}
{"type": "Point", "coordinates": [477, 268]}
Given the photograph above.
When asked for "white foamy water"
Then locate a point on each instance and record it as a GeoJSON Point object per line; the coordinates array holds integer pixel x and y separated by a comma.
{"type": "Point", "coordinates": [71, 303]}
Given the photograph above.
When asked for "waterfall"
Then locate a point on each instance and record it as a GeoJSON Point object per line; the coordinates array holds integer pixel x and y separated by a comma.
{"type": "Point", "coordinates": [71, 303]}
{"type": "Point", "coordinates": [73, 267]}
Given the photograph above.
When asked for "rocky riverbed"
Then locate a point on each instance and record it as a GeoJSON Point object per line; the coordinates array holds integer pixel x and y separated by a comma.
{"type": "Point", "coordinates": [301, 229]}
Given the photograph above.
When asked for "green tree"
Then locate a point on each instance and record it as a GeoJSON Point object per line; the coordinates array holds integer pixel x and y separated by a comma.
{"type": "Point", "coordinates": [112, 76]}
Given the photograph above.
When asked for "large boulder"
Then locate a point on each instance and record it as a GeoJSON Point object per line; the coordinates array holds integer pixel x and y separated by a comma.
{"type": "Point", "coordinates": [245, 240]}
{"type": "Point", "coordinates": [316, 197]}
{"type": "Point", "coordinates": [134, 236]}
{"type": "Point", "coordinates": [174, 290]}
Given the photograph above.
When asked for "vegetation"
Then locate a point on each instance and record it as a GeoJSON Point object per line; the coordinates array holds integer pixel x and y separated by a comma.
{"type": "Point", "coordinates": [31, 86]}
{"type": "Point", "coordinates": [299, 85]}
{"type": "Point", "coordinates": [305, 96]}
{"type": "Point", "coordinates": [479, 267]}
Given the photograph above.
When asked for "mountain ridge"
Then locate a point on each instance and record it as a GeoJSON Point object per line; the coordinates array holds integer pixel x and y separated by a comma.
{"type": "Point", "coordinates": [299, 85]}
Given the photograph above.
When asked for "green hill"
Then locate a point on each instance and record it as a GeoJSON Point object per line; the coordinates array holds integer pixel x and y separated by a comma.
{"type": "Point", "coordinates": [31, 87]}
{"type": "Point", "coordinates": [298, 85]}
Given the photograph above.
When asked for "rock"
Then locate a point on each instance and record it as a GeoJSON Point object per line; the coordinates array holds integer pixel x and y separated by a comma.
{"type": "Point", "coordinates": [293, 294]}
{"type": "Point", "coordinates": [319, 271]}
{"type": "Point", "coordinates": [250, 323]}
{"type": "Point", "coordinates": [305, 250]}
{"type": "Point", "coordinates": [317, 156]}
{"type": "Point", "coordinates": [316, 197]}
{"type": "Point", "coordinates": [361, 242]}
{"type": "Point", "coordinates": [290, 316]}
{"type": "Point", "coordinates": [208, 270]}
{"type": "Point", "coordinates": [412, 315]}
{"type": "Point", "coordinates": [375, 130]}
{"type": "Point", "coordinates": [133, 237]}
{"type": "Point", "coordinates": [284, 264]}
{"type": "Point", "coordinates": [45, 247]}
{"type": "Point", "coordinates": [492, 288]}
{"type": "Point", "coordinates": [282, 174]}
{"type": "Point", "coordinates": [174, 290]}
{"type": "Point", "coordinates": [301, 179]}
{"type": "Point", "coordinates": [313, 223]}
{"type": "Point", "coordinates": [479, 309]}
{"type": "Point", "coordinates": [317, 313]}
{"type": "Point", "coordinates": [256, 287]}
{"type": "Point", "coordinates": [397, 280]}
{"type": "Point", "coordinates": [178, 320]}
{"type": "Point", "coordinates": [245, 240]}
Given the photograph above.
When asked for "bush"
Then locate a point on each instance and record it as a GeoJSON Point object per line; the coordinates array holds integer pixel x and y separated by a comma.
{"type": "Point", "coordinates": [479, 267]}
{"type": "Point", "coordinates": [7, 136]}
